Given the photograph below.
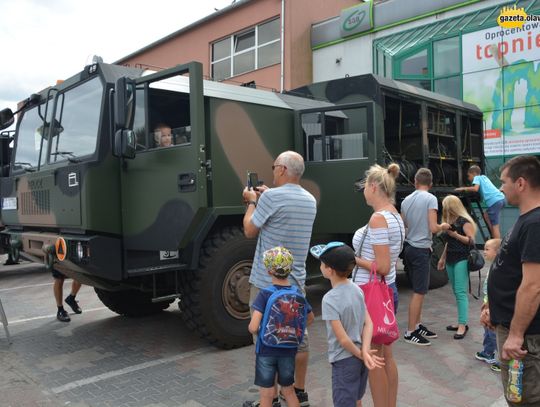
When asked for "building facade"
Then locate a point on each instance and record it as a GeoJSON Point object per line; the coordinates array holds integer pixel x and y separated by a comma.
{"type": "Point", "coordinates": [451, 47]}
{"type": "Point", "coordinates": [262, 43]}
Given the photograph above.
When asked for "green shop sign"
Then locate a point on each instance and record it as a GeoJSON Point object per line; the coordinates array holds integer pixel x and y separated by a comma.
{"type": "Point", "coordinates": [356, 19]}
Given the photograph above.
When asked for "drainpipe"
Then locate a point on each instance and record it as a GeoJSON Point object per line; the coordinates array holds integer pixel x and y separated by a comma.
{"type": "Point", "coordinates": [282, 74]}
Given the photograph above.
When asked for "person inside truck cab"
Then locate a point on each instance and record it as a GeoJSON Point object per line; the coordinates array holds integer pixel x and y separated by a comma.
{"type": "Point", "coordinates": [163, 135]}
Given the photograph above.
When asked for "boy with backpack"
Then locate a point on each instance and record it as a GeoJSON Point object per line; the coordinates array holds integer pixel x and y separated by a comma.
{"type": "Point", "coordinates": [280, 316]}
{"type": "Point", "coordinates": [348, 325]}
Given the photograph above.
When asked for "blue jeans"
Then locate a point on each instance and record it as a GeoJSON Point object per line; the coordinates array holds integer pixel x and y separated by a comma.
{"type": "Point", "coordinates": [266, 368]}
{"type": "Point", "coordinates": [490, 342]}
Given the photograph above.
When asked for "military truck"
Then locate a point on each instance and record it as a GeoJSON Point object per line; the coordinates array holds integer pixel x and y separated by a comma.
{"type": "Point", "coordinates": [88, 191]}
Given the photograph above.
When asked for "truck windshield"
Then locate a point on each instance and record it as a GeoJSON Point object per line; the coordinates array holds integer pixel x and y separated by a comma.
{"type": "Point", "coordinates": [74, 132]}
{"type": "Point", "coordinates": [77, 122]}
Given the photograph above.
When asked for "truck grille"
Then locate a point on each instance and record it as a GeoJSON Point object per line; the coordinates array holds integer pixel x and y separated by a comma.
{"type": "Point", "coordinates": [35, 203]}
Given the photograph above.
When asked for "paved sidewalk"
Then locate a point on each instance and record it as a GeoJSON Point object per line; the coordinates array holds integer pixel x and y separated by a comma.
{"type": "Point", "coordinates": [100, 359]}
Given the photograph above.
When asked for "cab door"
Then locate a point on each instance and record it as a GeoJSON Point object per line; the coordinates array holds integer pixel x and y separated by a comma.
{"type": "Point", "coordinates": [164, 188]}
{"type": "Point", "coordinates": [338, 145]}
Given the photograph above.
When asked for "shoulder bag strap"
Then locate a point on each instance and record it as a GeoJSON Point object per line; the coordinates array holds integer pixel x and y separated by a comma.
{"type": "Point", "coordinates": [359, 251]}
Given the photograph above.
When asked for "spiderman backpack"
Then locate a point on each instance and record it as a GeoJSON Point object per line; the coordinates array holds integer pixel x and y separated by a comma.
{"type": "Point", "coordinates": [284, 320]}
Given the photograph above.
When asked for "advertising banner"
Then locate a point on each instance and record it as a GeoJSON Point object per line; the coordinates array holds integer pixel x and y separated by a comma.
{"type": "Point", "coordinates": [501, 74]}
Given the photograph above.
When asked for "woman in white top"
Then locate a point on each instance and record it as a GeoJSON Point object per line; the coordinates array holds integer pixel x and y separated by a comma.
{"type": "Point", "coordinates": [381, 241]}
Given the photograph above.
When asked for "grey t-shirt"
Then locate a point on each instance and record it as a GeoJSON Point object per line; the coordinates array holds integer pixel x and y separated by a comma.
{"type": "Point", "coordinates": [415, 209]}
{"type": "Point", "coordinates": [344, 303]}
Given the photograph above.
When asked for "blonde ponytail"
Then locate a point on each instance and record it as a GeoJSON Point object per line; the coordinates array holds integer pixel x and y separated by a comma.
{"type": "Point", "coordinates": [384, 178]}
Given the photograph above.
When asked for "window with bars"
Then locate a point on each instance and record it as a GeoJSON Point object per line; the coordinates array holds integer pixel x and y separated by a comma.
{"type": "Point", "coordinates": [249, 50]}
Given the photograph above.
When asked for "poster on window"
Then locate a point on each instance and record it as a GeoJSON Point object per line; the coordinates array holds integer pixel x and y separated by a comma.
{"type": "Point", "coordinates": [501, 75]}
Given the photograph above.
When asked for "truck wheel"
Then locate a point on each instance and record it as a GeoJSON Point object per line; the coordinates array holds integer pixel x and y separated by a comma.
{"type": "Point", "coordinates": [215, 298]}
{"type": "Point", "coordinates": [130, 303]}
{"type": "Point", "coordinates": [437, 278]}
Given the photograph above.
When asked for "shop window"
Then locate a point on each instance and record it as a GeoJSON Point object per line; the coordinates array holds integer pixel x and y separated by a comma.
{"type": "Point", "coordinates": [449, 86]}
{"type": "Point", "coordinates": [416, 64]}
{"type": "Point", "coordinates": [446, 55]}
{"type": "Point", "coordinates": [255, 48]}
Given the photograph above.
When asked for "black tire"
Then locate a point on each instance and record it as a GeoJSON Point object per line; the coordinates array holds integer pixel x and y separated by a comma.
{"type": "Point", "coordinates": [215, 298]}
{"type": "Point", "coordinates": [437, 278]}
{"type": "Point", "coordinates": [130, 303]}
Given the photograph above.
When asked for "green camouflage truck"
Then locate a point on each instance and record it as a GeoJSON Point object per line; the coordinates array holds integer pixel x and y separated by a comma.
{"type": "Point", "coordinates": [87, 191]}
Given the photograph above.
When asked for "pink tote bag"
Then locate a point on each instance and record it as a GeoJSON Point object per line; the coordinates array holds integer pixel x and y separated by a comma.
{"type": "Point", "coordinates": [379, 300]}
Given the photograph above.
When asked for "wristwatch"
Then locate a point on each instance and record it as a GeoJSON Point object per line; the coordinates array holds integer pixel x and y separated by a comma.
{"type": "Point", "coordinates": [251, 202]}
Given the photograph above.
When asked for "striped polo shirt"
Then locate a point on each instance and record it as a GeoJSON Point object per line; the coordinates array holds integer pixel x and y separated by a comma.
{"type": "Point", "coordinates": [285, 217]}
{"type": "Point", "coordinates": [393, 236]}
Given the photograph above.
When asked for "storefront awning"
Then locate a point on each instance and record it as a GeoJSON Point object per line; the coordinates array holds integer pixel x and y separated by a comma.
{"type": "Point", "coordinates": [475, 21]}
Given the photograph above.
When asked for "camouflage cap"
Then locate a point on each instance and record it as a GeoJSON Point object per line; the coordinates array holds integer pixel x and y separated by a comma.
{"type": "Point", "coordinates": [279, 260]}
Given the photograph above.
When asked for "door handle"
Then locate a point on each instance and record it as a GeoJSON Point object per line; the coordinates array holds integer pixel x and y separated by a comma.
{"type": "Point", "coordinates": [187, 182]}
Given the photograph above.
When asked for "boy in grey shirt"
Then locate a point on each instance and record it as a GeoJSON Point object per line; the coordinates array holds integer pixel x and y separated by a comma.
{"type": "Point", "coordinates": [419, 213]}
{"type": "Point", "coordinates": [348, 325]}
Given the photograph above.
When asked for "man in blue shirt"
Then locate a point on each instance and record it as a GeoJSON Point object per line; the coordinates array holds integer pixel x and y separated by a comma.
{"type": "Point", "coordinates": [493, 198]}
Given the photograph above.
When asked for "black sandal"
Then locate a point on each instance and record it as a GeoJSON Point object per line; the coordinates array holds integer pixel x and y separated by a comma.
{"type": "Point", "coordinates": [461, 336]}
{"type": "Point", "coordinates": [452, 328]}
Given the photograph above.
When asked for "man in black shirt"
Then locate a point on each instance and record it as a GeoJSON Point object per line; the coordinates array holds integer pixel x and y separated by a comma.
{"type": "Point", "coordinates": [514, 280]}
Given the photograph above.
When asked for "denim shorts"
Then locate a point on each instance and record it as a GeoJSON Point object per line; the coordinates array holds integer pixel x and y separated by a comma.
{"type": "Point", "coordinates": [266, 368]}
{"type": "Point", "coordinates": [494, 211]}
{"type": "Point", "coordinates": [349, 381]}
{"type": "Point", "coordinates": [393, 286]}
{"type": "Point", "coordinates": [417, 266]}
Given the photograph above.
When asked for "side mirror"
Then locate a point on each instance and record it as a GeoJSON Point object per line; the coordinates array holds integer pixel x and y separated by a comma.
{"type": "Point", "coordinates": [124, 103]}
{"type": "Point", "coordinates": [6, 118]}
{"type": "Point", "coordinates": [125, 144]}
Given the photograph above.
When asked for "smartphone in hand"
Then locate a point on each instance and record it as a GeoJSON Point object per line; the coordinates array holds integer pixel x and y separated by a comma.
{"type": "Point", "coordinates": [252, 180]}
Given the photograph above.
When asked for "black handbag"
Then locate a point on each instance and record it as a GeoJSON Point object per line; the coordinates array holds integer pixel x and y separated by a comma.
{"type": "Point", "coordinates": [476, 259]}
